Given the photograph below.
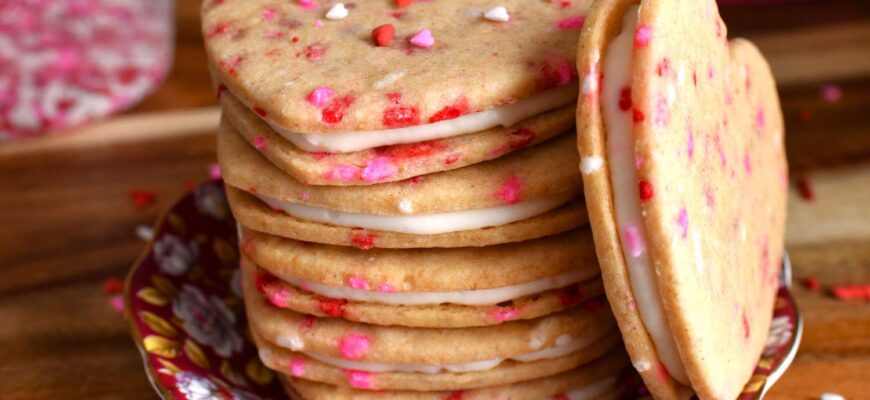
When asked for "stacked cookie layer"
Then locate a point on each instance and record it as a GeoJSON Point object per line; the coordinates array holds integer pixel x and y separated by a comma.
{"type": "Point", "coordinates": [407, 223]}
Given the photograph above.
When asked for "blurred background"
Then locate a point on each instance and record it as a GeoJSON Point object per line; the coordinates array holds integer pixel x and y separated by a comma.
{"type": "Point", "coordinates": [83, 178]}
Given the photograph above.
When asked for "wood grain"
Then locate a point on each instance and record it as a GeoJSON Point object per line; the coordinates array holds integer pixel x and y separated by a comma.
{"type": "Point", "coordinates": [67, 223]}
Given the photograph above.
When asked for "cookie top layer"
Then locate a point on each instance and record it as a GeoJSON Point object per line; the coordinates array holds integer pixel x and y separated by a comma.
{"type": "Point", "coordinates": [444, 60]}
{"type": "Point", "coordinates": [402, 161]}
{"type": "Point", "coordinates": [711, 183]}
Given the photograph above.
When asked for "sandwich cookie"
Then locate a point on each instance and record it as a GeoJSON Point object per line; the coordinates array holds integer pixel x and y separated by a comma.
{"type": "Point", "coordinates": [444, 207]}
{"type": "Point", "coordinates": [298, 365]}
{"type": "Point", "coordinates": [400, 161]}
{"type": "Point", "coordinates": [685, 180]}
{"type": "Point", "coordinates": [387, 349]}
{"type": "Point", "coordinates": [597, 380]}
{"type": "Point", "coordinates": [443, 288]}
{"type": "Point", "coordinates": [345, 78]}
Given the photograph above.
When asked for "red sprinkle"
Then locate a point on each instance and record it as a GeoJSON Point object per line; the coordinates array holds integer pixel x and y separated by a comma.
{"type": "Point", "coordinates": [811, 283]}
{"type": "Point", "coordinates": [625, 99]}
{"type": "Point", "coordinates": [402, 3]}
{"type": "Point", "coordinates": [851, 292]}
{"type": "Point", "coordinates": [383, 34]}
{"type": "Point", "coordinates": [220, 90]}
{"type": "Point", "coordinates": [333, 113]}
{"type": "Point", "coordinates": [805, 188]}
{"type": "Point", "coordinates": [637, 115]}
{"type": "Point", "coordinates": [521, 138]}
{"type": "Point", "coordinates": [261, 112]}
{"type": "Point", "coordinates": [575, 22]}
{"type": "Point", "coordinates": [455, 110]}
{"type": "Point", "coordinates": [332, 307]}
{"type": "Point", "coordinates": [646, 190]}
{"type": "Point", "coordinates": [113, 286]}
{"type": "Point", "coordinates": [362, 239]}
{"type": "Point", "coordinates": [455, 396]}
{"type": "Point", "coordinates": [142, 198]}
{"type": "Point", "coordinates": [400, 116]}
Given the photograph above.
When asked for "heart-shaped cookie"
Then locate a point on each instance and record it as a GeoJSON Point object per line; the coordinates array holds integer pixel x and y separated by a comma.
{"type": "Point", "coordinates": [681, 144]}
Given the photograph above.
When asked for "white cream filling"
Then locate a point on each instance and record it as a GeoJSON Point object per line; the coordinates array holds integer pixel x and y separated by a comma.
{"type": "Point", "coordinates": [623, 179]}
{"type": "Point", "coordinates": [592, 390]}
{"type": "Point", "coordinates": [506, 115]}
{"type": "Point", "coordinates": [426, 224]}
{"type": "Point", "coordinates": [480, 297]}
{"type": "Point", "coordinates": [483, 365]}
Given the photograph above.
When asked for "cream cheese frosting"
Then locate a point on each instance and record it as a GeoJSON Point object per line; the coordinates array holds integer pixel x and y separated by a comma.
{"type": "Point", "coordinates": [624, 183]}
{"type": "Point", "coordinates": [425, 224]}
{"type": "Point", "coordinates": [466, 297]}
{"type": "Point", "coordinates": [505, 115]}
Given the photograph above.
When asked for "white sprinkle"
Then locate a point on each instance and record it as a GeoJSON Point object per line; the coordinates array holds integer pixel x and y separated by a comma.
{"type": "Point", "coordinates": [294, 343]}
{"type": "Point", "coordinates": [672, 94]}
{"type": "Point", "coordinates": [699, 256]}
{"type": "Point", "coordinates": [145, 232]}
{"type": "Point", "coordinates": [390, 78]}
{"type": "Point", "coordinates": [590, 83]}
{"type": "Point", "coordinates": [498, 14]}
{"type": "Point", "coordinates": [831, 396]}
{"type": "Point", "coordinates": [589, 165]}
{"type": "Point", "coordinates": [338, 11]}
{"type": "Point", "coordinates": [641, 365]}
{"type": "Point", "coordinates": [563, 340]}
{"type": "Point", "coordinates": [406, 206]}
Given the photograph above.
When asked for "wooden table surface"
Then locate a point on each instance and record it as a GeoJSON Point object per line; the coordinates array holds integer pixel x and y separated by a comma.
{"type": "Point", "coordinates": [67, 222]}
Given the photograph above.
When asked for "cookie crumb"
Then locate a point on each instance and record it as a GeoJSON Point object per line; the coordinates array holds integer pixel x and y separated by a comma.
{"type": "Point", "coordinates": [497, 14]}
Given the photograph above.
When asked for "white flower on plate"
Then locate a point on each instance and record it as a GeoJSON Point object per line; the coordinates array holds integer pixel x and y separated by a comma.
{"type": "Point", "coordinates": [208, 320]}
{"type": "Point", "coordinates": [196, 387]}
{"type": "Point", "coordinates": [173, 255]}
{"type": "Point", "coordinates": [212, 201]}
{"type": "Point", "coordinates": [780, 333]}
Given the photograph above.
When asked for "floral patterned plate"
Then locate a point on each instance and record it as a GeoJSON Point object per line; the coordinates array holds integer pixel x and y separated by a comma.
{"type": "Point", "coordinates": [183, 301]}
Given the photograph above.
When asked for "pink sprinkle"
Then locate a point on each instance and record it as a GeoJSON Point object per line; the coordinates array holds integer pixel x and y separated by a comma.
{"type": "Point", "coordinates": [510, 190]}
{"type": "Point", "coordinates": [386, 288]}
{"type": "Point", "coordinates": [214, 171]}
{"type": "Point", "coordinates": [575, 22]}
{"type": "Point", "coordinates": [642, 36]}
{"type": "Point", "coordinates": [358, 282]}
{"type": "Point", "coordinates": [759, 118]}
{"type": "Point", "coordinates": [268, 14]}
{"type": "Point", "coordinates": [635, 243]}
{"type": "Point", "coordinates": [690, 145]}
{"type": "Point", "coordinates": [318, 97]}
{"type": "Point", "coordinates": [260, 142]}
{"type": "Point", "coordinates": [683, 221]}
{"type": "Point", "coordinates": [318, 23]}
{"type": "Point", "coordinates": [307, 4]}
{"type": "Point", "coordinates": [502, 314]}
{"type": "Point", "coordinates": [423, 39]}
{"type": "Point", "coordinates": [297, 367]}
{"type": "Point", "coordinates": [117, 303]}
{"type": "Point", "coordinates": [747, 163]}
{"type": "Point", "coordinates": [354, 346]}
{"type": "Point", "coordinates": [359, 379]}
{"type": "Point", "coordinates": [378, 169]}
{"type": "Point", "coordinates": [278, 296]}
{"type": "Point", "coordinates": [341, 172]}
{"type": "Point", "coordinates": [831, 93]}
{"type": "Point", "coordinates": [304, 196]}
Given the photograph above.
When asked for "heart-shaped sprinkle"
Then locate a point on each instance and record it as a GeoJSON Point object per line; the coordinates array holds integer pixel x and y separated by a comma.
{"type": "Point", "coordinates": [423, 39]}
{"type": "Point", "coordinates": [498, 14]}
{"type": "Point", "coordinates": [338, 11]}
{"type": "Point", "coordinates": [382, 35]}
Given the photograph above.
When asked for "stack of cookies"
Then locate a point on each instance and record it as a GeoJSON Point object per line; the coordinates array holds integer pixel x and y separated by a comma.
{"type": "Point", "coordinates": [410, 217]}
